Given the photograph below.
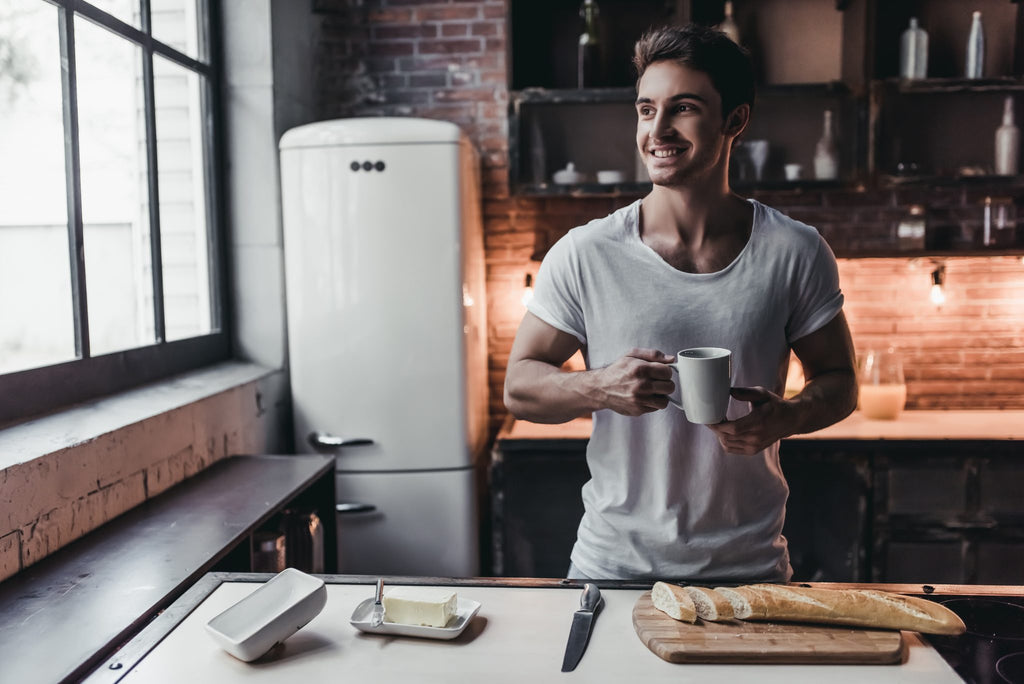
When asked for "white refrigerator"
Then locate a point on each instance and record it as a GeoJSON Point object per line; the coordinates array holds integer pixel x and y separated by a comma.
{"type": "Point", "coordinates": [384, 270]}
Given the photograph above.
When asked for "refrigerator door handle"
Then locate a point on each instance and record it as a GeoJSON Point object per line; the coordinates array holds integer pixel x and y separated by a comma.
{"type": "Point", "coordinates": [354, 507]}
{"type": "Point", "coordinates": [325, 440]}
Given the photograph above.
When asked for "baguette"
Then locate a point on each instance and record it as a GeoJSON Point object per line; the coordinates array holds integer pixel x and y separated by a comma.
{"type": "Point", "coordinates": [673, 601]}
{"type": "Point", "coordinates": [853, 607]}
{"type": "Point", "coordinates": [747, 603]}
{"type": "Point", "coordinates": [710, 606]}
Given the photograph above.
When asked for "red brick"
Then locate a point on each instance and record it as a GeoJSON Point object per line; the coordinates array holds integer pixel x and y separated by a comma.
{"type": "Point", "coordinates": [389, 16]}
{"type": "Point", "coordinates": [449, 47]}
{"type": "Point", "coordinates": [392, 32]}
{"type": "Point", "coordinates": [487, 28]}
{"type": "Point", "coordinates": [465, 95]}
{"type": "Point", "coordinates": [449, 30]}
{"type": "Point", "coordinates": [447, 13]}
{"type": "Point", "coordinates": [497, 11]}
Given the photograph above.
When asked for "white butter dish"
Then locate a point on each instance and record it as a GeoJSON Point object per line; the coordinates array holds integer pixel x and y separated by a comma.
{"type": "Point", "coordinates": [464, 612]}
{"type": "Point", "coordinates": [269, 615]}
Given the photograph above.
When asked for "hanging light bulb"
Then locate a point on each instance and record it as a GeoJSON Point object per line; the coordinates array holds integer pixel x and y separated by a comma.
{"type": "Point", "coordinates": [938, 294]}
{"type": "Point", "coordinates": [527, 290]}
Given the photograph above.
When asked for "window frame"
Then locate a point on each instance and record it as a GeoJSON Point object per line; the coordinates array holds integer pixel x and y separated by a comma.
{"type": "Point", "coordinates": [37, 391]}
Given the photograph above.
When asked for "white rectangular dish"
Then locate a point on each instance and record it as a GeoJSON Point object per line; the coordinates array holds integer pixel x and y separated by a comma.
{"type": "Point", "coordinates": [269, 615]}
{"type": "Point", "coordinates": [464, 612]}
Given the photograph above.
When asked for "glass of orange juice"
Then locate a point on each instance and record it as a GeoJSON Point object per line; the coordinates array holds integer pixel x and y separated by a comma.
{"type": "Point", "coordinates": [883, 390]}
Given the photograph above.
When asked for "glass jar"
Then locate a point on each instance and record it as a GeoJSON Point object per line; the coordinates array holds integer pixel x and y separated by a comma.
{"type": "Point", "coordinates": [883, 390]}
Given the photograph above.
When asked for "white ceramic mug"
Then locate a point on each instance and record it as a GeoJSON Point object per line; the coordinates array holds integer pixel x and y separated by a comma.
{"type": "Point", "coordinates": [705, 378]}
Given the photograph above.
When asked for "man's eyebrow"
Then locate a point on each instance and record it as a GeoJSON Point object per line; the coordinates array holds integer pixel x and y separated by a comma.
{"type": "Point", "coordinates": [674, 98]}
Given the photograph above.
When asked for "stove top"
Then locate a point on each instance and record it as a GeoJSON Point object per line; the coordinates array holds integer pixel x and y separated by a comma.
{"type": "Point", "coordinates": [992, 649]}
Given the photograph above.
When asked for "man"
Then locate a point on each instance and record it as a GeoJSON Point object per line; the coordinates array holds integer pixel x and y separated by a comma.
{"type": "Point", "coordinates": [691, 264]}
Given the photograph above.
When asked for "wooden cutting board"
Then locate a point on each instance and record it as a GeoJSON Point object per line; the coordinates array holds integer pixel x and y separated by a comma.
{"type": "Point", "coordinates": [739, 641]}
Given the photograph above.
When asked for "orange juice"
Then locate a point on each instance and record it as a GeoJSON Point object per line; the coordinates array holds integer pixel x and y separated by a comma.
{"type": "Point", "coordinates": [883, 402]}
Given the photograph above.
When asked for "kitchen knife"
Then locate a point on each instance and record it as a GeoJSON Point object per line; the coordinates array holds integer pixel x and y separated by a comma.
{"type": "Point", "coordinates": [582, 622]}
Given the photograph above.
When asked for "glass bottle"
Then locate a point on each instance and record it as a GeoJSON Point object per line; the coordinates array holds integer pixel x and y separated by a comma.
{"type": "Point", "coordinates": [976, 48]}
{"type": "Point", "coordinates": [589, 50]}
{"type": "Point", "coordinates": [914, 51]}
{"type": "Point", "coordinates": [1008, 142]}
{"type": "Point", "coordinates": [728, 25]}
{"type": "Point", "coordinates": [826, 156]}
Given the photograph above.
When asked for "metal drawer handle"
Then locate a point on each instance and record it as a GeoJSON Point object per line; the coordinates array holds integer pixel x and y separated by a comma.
{"type": "Point", "coordinates": [325, 440]}
{"type": "Point", "coordinates": [348, 508]}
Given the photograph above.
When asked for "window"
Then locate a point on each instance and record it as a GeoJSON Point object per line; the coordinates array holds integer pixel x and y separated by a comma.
{"type": "Point", "coordinates": [109, 220]}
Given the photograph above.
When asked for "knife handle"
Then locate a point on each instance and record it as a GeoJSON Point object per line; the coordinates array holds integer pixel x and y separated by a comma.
{"type": "Point", "coordinates": [591, 597]}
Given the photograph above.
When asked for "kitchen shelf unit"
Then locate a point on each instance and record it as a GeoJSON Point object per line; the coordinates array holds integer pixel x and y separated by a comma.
{"type": "Point", "coordinates": [893, 133]}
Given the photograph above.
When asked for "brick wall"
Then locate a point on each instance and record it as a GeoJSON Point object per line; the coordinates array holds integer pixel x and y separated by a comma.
{"type": "Point", "coordinates": [49, 501]}
{"type": "Point", "coordinates": [447, 60]}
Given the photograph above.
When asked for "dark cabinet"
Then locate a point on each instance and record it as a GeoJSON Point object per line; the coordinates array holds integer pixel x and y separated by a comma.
{"type": "Point", "coordinates": [941, 511]}
{"type": "Point", "coordinates": [949, 512]}
{"type": "Point", "coordinates": [827, 515]}
{"type": "Point", "coordinates": [536, 505]}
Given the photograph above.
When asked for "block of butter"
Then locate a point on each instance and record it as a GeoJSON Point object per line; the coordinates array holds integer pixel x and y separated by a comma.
{"type": "Point", "coordinates": [428, 606]}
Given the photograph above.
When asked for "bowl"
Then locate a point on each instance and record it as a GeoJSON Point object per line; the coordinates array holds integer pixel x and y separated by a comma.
{"type": "Point", "coordinates": [610, 177]}
{"type": "Point", "coordinates": [269, 615]}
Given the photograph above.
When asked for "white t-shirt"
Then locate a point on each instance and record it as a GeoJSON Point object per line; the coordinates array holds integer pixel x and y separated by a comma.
{"type": "Point", "coordinates": [664, 499]}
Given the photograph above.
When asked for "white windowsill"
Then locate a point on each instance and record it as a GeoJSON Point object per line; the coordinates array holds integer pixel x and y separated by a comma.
{"type": "Point", "coordinates": [85, 422]}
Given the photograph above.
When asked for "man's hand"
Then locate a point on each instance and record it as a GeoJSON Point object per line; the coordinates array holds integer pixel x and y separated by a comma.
{"type": "Point", "coordinates": [769, 420]}
{"type": "Point", "coordinates": [637, 383]}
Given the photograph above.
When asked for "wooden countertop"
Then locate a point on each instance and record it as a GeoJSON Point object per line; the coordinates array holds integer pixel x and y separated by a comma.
{"type": "Point", "coordinates": [911, 425]}
{"type": "Point", "coordinates": [519, 635]}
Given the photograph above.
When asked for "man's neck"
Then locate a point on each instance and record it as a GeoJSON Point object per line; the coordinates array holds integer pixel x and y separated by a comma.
{"type": "Point", "coordinates": [690, 211]}
{"type": "Point", "coordinates": [695, 231]}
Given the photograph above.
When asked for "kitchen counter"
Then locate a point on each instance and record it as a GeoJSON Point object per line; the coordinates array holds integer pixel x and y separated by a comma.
{"type": "Point", "coordinates": [519, 635]}
{"type": "Point", "coordinates": [911, 425]}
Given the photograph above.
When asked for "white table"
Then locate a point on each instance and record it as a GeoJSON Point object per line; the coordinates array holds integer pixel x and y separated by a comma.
{"type": "Point", "coordinates": [518, 636]}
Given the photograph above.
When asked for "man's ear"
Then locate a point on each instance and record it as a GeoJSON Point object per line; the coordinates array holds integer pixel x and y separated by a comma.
{"type": "Point", "coordinates": [737, 121]}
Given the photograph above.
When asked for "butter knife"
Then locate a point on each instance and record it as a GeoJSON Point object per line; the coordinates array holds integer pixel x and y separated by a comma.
{"type": "Point", "coordinates": [582, 622]}
{"type": "Point", "coordinates": [377, 616]}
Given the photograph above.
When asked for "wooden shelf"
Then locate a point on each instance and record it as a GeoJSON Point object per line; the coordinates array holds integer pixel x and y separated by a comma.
{"type": "Point", "coordinates": [940, 128]}
{"type": "Point", "coordinates": [946, 86]}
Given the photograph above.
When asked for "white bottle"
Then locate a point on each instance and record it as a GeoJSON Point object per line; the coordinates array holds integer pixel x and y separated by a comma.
{"type": "Point", "coordinates": [826, 156]}
{"type": "Point", "coordinates": [728, 25]}
{"type": "Point", "coordinates": [914, 51]}
{"type": "Point", "coordinates": [976, 48]}
{"type": "Point", "coordinates": [1008, 143]}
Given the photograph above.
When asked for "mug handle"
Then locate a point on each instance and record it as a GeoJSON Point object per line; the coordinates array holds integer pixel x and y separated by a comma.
{"type": "Point", "coordinates": [679, 385]}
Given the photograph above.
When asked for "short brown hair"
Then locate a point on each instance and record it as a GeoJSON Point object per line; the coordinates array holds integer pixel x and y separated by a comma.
{"type": "Point", "coordinates": [705, 49]}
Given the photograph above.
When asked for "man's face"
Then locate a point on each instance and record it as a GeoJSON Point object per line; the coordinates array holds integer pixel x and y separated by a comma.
{"type": "Point", "coordinates": [679, 130]}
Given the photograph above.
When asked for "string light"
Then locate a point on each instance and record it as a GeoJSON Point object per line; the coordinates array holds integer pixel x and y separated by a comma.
{"type": "Point", "coordinates": [938, 293]}
{"type": "Point", "coordinates": [527, 290]}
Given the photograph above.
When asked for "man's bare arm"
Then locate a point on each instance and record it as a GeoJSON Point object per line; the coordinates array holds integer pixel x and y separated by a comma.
{"type": "Point", "coordinates": [829, 361]}
{"type": "Point", "coordinates": [537, 389]}
{"type": "Point", "coordinates": [829, 395]}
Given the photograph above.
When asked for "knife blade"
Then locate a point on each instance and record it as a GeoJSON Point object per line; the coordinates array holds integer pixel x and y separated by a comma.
{"type": "Point", "coordinates": [582, 624]}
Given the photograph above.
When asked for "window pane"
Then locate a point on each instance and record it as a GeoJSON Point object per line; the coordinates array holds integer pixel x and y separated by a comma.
{"type": "Point", "coordinates": [175, 22]}
{"type": "Point", "coordinates": [183, 201]}
{"type": "Point", "coordinates": [36, 318]}
{"type": "Point", "coordinates": [125, 10]}
{"type": "Point", "coordinates": [115, 199]}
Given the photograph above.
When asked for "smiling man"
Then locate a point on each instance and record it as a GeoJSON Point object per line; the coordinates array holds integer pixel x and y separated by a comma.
{"type": "Point", "coordinates": [692, 264]}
